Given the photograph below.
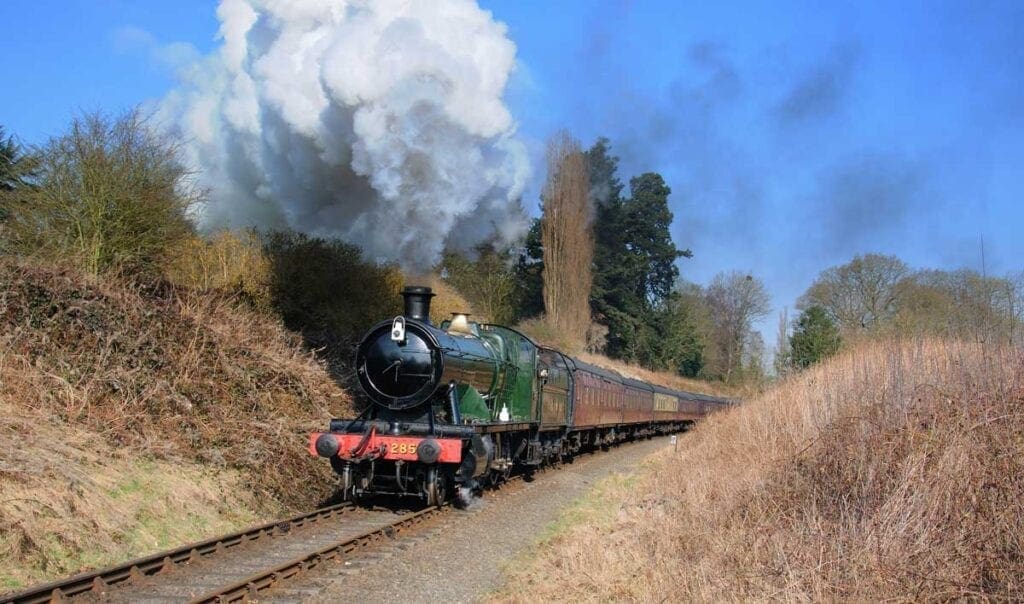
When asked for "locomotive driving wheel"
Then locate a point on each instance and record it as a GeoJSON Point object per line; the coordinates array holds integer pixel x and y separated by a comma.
{"type": "Point", "coordinates": [434, 486]}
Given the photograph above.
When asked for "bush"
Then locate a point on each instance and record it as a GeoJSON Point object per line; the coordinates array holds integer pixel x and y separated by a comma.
{"type": "Point", "coordinates": [488, 281]}
{"type": "Point", "coordinates": [326, 290]}
{"type": "Point", "coordinates": [227, 262]}
{"type": "Point", "coordinates": [109, 194]}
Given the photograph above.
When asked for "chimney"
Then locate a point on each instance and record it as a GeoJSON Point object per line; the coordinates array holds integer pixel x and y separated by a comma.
{"type": "Point", "coordinates": [417, 302]}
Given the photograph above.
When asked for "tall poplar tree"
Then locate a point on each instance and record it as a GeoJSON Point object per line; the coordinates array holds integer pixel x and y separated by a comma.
{"type": "Point", "coordinates": [568, 239]}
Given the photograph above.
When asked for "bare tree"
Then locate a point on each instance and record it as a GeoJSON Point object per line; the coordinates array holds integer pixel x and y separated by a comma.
{"type": "Point", "coordinates": [859, 295]}
{"type": "Point", "coordinates": [568, 238]}
{"type": "Point", "coordinates": [736, 300]}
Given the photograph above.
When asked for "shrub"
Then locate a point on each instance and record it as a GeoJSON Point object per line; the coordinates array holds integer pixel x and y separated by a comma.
{"type": "Point", "coordinates": [326, 290]}
{"type": "Point", "coordinates": [228, 262]}
{"type": "Point", "coordinates": [109, 194]}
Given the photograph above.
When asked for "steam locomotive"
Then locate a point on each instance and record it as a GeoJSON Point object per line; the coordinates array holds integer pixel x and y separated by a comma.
{"type": "Point", "coordinates": [461, 405]}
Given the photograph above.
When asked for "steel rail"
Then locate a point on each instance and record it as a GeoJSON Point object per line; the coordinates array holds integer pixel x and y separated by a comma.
{"type": "Point", "coordinates": [272, 577]}
{"type": "Point", "coordinates": [101, 580]}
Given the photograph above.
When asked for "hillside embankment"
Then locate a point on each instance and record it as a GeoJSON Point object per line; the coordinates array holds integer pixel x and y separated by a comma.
{"type": "Point", "coordinates": [895, 471]}
{"type": "Point", "coordinates": [138, 418]}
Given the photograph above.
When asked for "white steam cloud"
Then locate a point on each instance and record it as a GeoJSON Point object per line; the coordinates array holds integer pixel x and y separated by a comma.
{"type": "Point", "coordinates": [379, 122]}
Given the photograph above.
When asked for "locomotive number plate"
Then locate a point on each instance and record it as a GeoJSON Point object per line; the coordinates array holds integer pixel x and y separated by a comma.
{"type": "Point", "coordinates": [397, 448]}
{"type": "Point", "coordinates": [403, 448]}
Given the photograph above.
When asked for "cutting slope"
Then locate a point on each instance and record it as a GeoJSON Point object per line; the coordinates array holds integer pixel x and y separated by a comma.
{"type": "Point", "coordinates": [134, 419]}
{"type": "Point", "coordinates": [895, 470]}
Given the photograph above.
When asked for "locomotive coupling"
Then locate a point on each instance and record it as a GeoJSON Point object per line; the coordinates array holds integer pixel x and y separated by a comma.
{"type": "Point", "coordinates": [326, 445]}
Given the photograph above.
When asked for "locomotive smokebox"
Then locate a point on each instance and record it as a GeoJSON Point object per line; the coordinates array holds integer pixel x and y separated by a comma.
{"type": "Point", "coordinates": [417, 302]}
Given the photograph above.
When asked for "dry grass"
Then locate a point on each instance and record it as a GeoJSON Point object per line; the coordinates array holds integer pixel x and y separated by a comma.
{"type": "Point", "coordinates": [70, 500]}
{"type": "Point", "coordinates": [544, 332]}
{"type": "Point", "coordinates": [895, 471]}
{"type": "Point", "coordinates": [97, 380]}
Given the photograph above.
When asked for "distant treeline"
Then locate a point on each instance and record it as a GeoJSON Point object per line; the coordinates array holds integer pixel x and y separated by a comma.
{"type": "Point", "coordinates": [596, 271]}
{"type": "Point", "coordinates": [111, 196]}
{"type": "Point", "coordinates": [880, 296]}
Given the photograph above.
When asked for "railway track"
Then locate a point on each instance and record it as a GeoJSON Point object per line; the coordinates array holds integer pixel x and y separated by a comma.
{"type": "Point", "coordinates": [238, 566]}
{"type": "Point", "coordinates": [252, 563]}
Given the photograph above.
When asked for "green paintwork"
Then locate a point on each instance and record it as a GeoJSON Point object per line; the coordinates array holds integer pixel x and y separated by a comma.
{"type": "Point", "coordinates": [514, 388]}
{"type": "Point", "coordinates": [471, 405]}
{"type": "Point", "coordinates": [518, 358]}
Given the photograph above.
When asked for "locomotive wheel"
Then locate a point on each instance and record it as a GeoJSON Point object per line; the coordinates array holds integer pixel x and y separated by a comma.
{"type": "Point", "coordinates": [433, 484]}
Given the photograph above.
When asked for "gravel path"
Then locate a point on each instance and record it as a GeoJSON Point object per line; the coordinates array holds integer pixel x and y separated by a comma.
{"type": "Point", "coordinates": [461, 559]}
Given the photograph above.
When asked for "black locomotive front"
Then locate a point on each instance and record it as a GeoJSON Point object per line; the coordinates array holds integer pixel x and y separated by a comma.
{"type": "Point", "coordinates": [411, 439]}
{"type": "Point", "coordinates": [407, 362]}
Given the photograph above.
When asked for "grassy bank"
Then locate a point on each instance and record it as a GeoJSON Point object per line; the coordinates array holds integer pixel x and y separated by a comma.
{"type": "Point", "coordinates": [893, 471]}
{"type": "Point", "coordinates": [137, 418]}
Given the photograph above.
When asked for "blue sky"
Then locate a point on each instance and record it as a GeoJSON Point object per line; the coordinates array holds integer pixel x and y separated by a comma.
{"type": "Point", "coordinates": [793, 135]}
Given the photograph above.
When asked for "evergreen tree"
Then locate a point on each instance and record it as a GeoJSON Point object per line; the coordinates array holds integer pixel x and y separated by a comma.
{"type": "Point", "coordinates": [650, 252]}
{"type": "Point", "coordinates": [606, 194]}
{"type": "Point", "coordinates": [529, 270]}
{"type": "Point", "coordinates": [815, 337]}
{"type": "Point", "coordinates": [17, 167]}
{"type": "Point", "coordinates": [17, 171]}
{"type": "Point", "coordinates": [634, 257]}
{"type": "Point", "coordinates": [611, 302]}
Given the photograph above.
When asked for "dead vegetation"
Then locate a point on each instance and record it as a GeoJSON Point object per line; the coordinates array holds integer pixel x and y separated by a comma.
{"type": "Point", "coordinates": [98, 379]}
{"type": "Point", "coordinates": [895, 471]}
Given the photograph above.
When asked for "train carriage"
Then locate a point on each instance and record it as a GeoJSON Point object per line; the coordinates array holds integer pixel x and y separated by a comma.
{"type": "Point", "coordinates": [666, 405]}
{"type": "Point", "coordinates": [639, 405]}
{"type": "Point", "coordinates": [598, 396]}
{"type": "Point", "coordinates": [555, 388]}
